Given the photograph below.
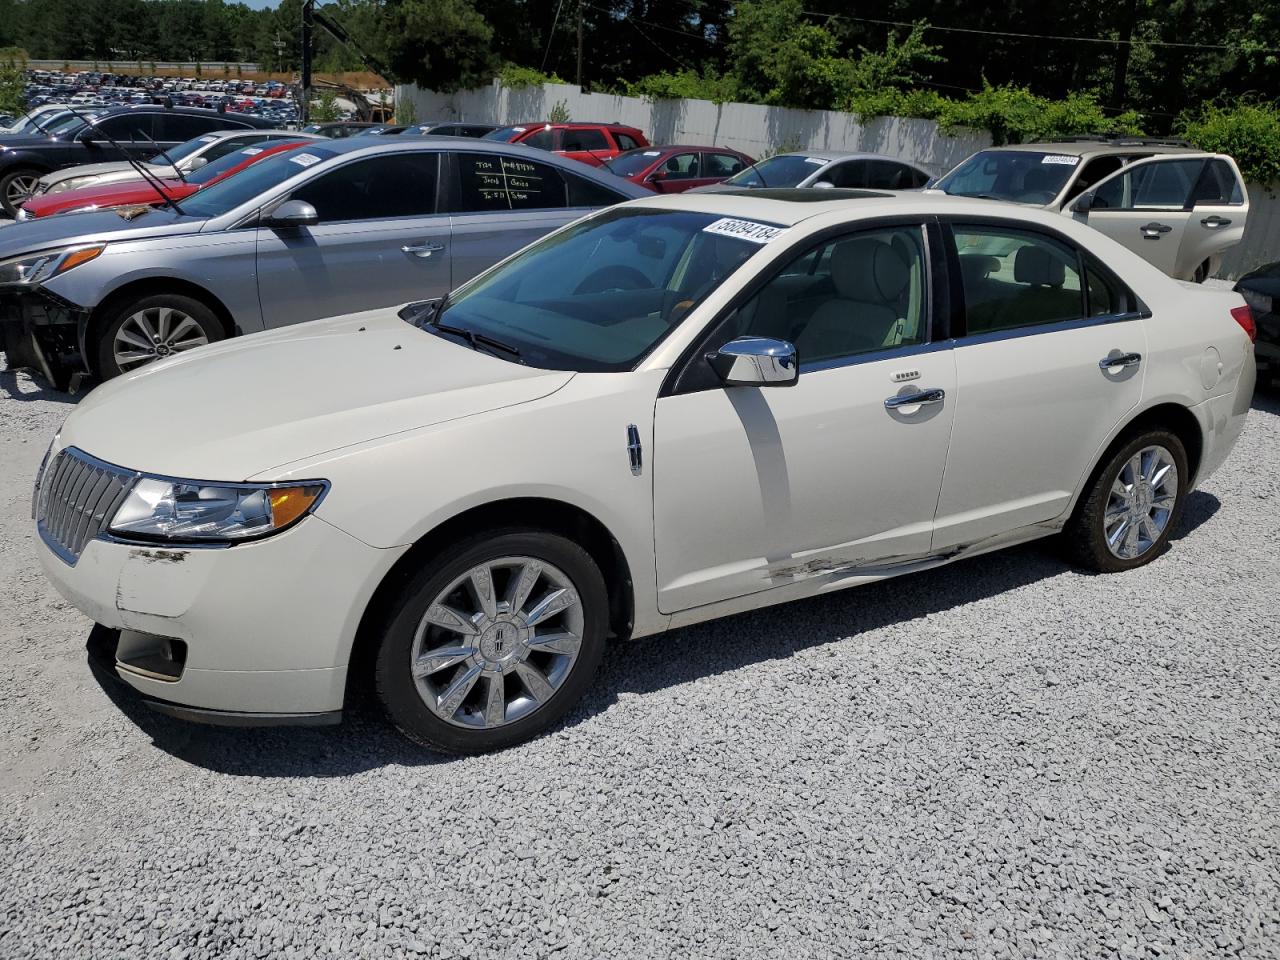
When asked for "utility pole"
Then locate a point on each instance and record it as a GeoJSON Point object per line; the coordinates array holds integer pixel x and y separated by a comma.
{"type": "Point", "coordinates": [580, 9]}
{"type": "Point", "coordinates": [304, 107]}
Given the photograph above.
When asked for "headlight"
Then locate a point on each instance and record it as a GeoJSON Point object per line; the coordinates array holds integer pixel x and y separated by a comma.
{"type": "Point", "coordinates": [44, 462]}
{"type": "Point", "coordinates": [38, 267]}
{"type": "Point", "coordinates": [1258, 302]}
{"type": "Point", "coordinates": [180, 510]}
{"type": "Point", "coordinates": [71, 183]}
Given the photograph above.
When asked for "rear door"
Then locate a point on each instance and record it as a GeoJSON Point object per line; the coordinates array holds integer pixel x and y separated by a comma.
{"type": "Point", "coordinates": [1147, 206]}
{"type": "Point", "coordinates": [1219, 209]}
{"type": "Point", "coordinates": [380, 241]}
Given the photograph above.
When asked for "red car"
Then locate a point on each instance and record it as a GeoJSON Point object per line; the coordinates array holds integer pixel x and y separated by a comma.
{"type": "Point", "coordinates": [592, 143]}
{"type": "Point", "coordinates": [676, 169]}
{"type": "Point", "coordinates": [142, 193]}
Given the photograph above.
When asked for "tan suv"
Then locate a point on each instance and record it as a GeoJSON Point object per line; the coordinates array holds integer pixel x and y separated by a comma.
{"type": "Point", "coordinates": [1175, 206]}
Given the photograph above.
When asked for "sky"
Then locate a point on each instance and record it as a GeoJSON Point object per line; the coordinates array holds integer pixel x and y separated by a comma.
{"type": "Point", "coordinates": [261, 4]}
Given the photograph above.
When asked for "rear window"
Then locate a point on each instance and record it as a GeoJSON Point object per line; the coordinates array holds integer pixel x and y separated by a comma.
{"type": "Point", "coordinates": [631, 163]}
{"type": "Point", "coordinates": [505, 134]}
{"type": "Point", "coordinates": [784, 171]}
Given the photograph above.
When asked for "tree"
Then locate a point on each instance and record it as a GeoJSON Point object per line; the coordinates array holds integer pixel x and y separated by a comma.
{"type": "Point", "coordinates": [13, 68]}
{"type": "Point", "coordinates": [439, 44]}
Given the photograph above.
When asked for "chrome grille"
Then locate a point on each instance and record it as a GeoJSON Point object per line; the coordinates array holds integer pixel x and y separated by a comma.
{"type": "Point", "coordinates": [78, 497]}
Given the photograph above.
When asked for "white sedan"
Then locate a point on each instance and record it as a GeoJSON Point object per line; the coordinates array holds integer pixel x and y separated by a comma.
{"type": "Point", "coordinates": [673, 410]}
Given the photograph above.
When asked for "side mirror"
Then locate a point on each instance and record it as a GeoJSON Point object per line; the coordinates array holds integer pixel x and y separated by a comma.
{"type": "Point", "coordinates": [293, 213]}
{"type": "Point", "coordinates": [824, 185]}
{"type": "Point", "coordinates": [756, 362]}
{"type": "Point", "coordinates": [1083, 204]}
{"type": "Point", "coordinates": [196, 163]}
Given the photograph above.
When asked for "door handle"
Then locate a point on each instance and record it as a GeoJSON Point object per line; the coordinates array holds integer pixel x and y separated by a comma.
{"type": "Point", "coordinates": [914, 399]}
{"type": "Point", "coordinates": [1153, 230]}
{"type": "Point", "coordinates": [1214, 222]}
{"type": "Point", "coordinates": [422, 250]}
{"type": "Point", "coordinates": [1120, 361]}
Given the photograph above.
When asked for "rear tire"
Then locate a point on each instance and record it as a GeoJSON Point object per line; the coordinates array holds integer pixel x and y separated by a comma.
{"type": "Point", "coordinates": [164, 324]}
{"type": "Point", "coordinates": [493, 641]}
{"type": "Point", "coordinates": [1132, 505]}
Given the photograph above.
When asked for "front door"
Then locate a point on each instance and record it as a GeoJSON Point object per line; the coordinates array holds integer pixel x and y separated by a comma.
{"type": "Point", "coordinates": [1147, 207]}
{"type": "Point", "coordinates": [1039, 396]}
{"type": "Point", "coordinates": [760, 487]}
{"type": "Point", "coordinates": [379, 242]}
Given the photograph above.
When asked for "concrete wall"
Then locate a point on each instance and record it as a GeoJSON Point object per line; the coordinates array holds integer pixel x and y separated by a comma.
{"type": "Point", "coordinates": [753, 129]}
{"type": "Point", "coordinates": [1261, 242]}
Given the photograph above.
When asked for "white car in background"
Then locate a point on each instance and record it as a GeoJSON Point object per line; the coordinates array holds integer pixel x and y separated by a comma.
{"type": "Point", "coordinates": [672, 410]}
{"type": "Point", "coordinates": [1178, 208]}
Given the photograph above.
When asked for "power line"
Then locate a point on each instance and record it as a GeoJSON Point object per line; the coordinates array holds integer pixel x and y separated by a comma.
{"type": "Point", "coordinates": [1042, 36]}
{"type": "Point", "coordinates": [657, 26]}
{"type": "Point", "coordinates": [550, 37]}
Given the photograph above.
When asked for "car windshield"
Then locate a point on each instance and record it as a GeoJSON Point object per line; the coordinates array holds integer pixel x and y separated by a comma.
{"type": "Point", "coordinates": [505, 134]}
{"type": "Point", "coordinates": [599, 295]}
{"type": "Point", "coordinates": [174, 154]}
{"type": "Point", "coordinates": [225, 195]}
{"type": "Point", "coordinates": [783, 171]}
{"type": "Point", "coordinates": [217, 169]}
{"type": "Point", "coordinates": [1020, 176]}
{"type": "Point", "coordinates": [632, 162]}
{"type": "Point", "coordinates": [31, 124]}
{"type": "Point", "coordinates": [65, 124]}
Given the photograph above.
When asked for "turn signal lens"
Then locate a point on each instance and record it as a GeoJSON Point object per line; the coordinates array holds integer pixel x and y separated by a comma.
{"type": "Point", "coordinates": [289, 503]}
{"type": "Point", "coordinates": [1244, 316]}
{"type": "Point", "coordinates": [77, 257]}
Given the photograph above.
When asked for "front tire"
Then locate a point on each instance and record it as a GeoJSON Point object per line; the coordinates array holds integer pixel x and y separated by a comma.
{"type": "Point", "coordinates": [152, 328]}
{"type": "Point", "coordinates": [493, 642]}
{"type": "Point", "coordinates": [1133, 505]}
{"type": "Point", "coordinates": [16, 187]}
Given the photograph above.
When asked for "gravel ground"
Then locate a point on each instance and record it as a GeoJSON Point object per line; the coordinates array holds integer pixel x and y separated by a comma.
{"type": "Point", "coordinates": [1004, 758]}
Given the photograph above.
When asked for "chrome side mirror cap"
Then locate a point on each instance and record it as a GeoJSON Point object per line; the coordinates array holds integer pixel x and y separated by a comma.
{"type": "Point", "coordinates": [756, 362]}
{"type": "Point", "coordinates": [293, 213]}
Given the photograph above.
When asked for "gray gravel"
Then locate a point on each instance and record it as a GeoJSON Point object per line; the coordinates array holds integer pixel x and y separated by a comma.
{"type": "Point", "coordinates": [1005, 758]}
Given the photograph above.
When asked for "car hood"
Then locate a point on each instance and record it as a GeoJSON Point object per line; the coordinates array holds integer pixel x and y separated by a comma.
{"type": "Point", "coordinates": [238, 409]}
{"type": "Point", "coordinates": [107, 195]}
{"type": "Point", "coordinates": [95, 170]}
{"type": "Point", "coordinates": [47, 233]}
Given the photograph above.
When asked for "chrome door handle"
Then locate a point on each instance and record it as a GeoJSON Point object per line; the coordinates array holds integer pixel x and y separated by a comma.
{"type": "Point", "coordinates": [1111, 364]}
{"type": "Point", "coordinates": [914, 399]}
{"type": "Point", "coordinates": [1153, 230]}
{"type": "Point", "coordinates": [422, 250]}
{"type": "Point", "coordinates": [1214, 222]}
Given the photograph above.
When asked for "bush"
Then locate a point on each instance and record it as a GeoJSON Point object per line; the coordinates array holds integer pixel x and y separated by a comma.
{"type": "Point", "coordinates": [1248, 132]}
{"type": "Point", "coordinates": [684, 85]}
{"type": "Point", "coordinates": [13, 69]}
{"type": "Point", "coordinates": [515, 77]}
{"type": "Point", "coordinates": [559, 112]}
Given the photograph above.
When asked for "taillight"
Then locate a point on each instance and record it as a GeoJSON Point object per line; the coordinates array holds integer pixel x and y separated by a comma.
{"type": "Point", "coordinates": [1244, 316]}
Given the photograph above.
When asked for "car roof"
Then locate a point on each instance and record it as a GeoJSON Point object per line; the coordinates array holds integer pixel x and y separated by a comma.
{"type": "Point", "coordinates": [790, 206]}
{"type": "Point", "coordinates": [573, 125]}
{"type": "Point", "coordinates": [1084, 148]}
{"type": "Point", "coordinates": [830, 155]}
{"type": "Point", "coordinates": [676, 147]}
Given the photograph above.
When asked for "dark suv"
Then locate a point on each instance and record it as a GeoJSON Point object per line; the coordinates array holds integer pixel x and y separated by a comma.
{"type": "Point", "coordinates": [71, 141]}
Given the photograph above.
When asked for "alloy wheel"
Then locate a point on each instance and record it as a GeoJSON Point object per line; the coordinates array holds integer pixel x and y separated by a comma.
{"type": "Point", "coordinates": [498, 642]}
{"type": "Point", "coordinates": [1140, 503]}
{"type": "Point", "coordinates": [20, 189]}
{"type": "Point", "coordinates": [154, 333]}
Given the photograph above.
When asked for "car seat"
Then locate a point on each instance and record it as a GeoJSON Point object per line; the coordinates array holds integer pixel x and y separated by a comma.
{"type": "Point", "coordinates": [869, 278]}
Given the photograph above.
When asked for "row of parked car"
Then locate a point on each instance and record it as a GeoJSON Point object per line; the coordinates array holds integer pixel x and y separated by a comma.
{"type": "Point", "coordinates": [331, 199]}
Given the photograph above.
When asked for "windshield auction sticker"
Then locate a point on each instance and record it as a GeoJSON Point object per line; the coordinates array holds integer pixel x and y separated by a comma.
{"type": "Point", "coordinates": [744, 230]}
{"type": "Point", "coordinates": [305, 159]}
{"type": "Point", "coordinates": [1060, 158]}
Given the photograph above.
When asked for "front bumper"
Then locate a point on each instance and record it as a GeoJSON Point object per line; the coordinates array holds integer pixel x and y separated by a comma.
{"type": "Point", "coordinates": [264, 629]}
{"type": "Point", "coordinates": [43, 332]}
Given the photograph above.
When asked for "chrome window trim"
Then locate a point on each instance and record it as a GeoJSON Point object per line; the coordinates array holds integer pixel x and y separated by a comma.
{"type": "Point", "coordinates": [1056, 326]}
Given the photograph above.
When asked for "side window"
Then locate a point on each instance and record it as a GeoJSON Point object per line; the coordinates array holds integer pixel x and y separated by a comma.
{"type": "Point", "coordinates": [179, 127]}
{"type": "Point", "coordinates": [887, 175]}
{"type": "Point", "coordinates": [850, 295]}
{"type": "Point", "coordinates": [539, 140]}
{"type": "Point", "coordinates": [129, 127]}
{"type": "Point", "coordinates": [683, 166]}
{"type": "Point", "coordinates": [1015, 278]}
{"type": "Point", "coordinates": [1107, 296]}
{"type": "Point", "coordinates": [576, 140]}
{"type": "Point", "coordinates": [721, 164]}
{"type": "Point", "coordinates": [395, 185]}
{"type": "Point", "coordinates": [587, 193]}
{"type": "Point", "coordinates": [1094, 171]}
{"type": "Point", "coordinates": [491, 182]}
{"type": "Point", "coordinates": [625, 141]}
{"type": "Point", "coordinates": [851, 173]}
{"type": "Point", "coordinates": [1159, 185]}
{"type": "Point", "coordinates": [1218, 185]}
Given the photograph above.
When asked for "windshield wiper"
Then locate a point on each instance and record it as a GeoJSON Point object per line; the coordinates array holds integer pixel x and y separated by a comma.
{"type": "Point", "coordinates": [476, 339]}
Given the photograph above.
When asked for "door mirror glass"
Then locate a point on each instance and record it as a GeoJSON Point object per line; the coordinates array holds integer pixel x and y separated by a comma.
{"type": "Point", "coordinates": [1083, 203]}
{"type": "Point", "coordinates": [293, 213]}
{"type": "Point", "coordinates": [756, 362]}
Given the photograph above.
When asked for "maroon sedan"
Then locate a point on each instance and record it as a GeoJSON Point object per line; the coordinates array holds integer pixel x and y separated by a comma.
{"type": "Point", "coordinates": [676, 169]}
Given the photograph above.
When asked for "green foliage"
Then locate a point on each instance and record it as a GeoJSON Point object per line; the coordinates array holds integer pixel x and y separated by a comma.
{"type": "Point", "coordinates": [325, 108]}
{"type": "Point", "coordinates": [1016, 115]}
{"type": "Point", "coordinates": [406, 111]}
{"type": "Point", "coordinates": [684, 85]}
{"type": "Point", "coordinates": [442, 45]}
{"type": "Point", "coordinates": [898, 65]}
{"type": "Point", "coordinates": [1248, 132]}
{"type": "Point", "coordinates": [13, 65]}
{"type": "Point", "coordinates": [559, 112]}
{"type": "Point", "coordinates": [515, 77]}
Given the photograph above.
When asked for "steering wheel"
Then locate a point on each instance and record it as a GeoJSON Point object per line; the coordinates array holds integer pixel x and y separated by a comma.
{"type": "Point", "coordinates": [615, 277]}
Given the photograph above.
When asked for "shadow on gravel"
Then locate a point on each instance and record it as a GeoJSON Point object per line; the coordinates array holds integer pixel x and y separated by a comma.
{"type": "Point", "coordinates": [364, 741]}
{"type": "Point", "coordinates": [25, 388]}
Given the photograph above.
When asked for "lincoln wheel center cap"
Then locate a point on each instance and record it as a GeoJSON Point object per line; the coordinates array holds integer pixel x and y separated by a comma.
{"type": "Point", "coordinates": [503, 644]}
